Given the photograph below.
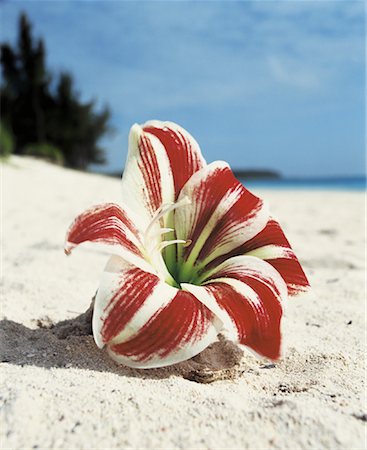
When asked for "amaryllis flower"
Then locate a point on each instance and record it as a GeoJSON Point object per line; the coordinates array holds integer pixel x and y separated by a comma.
{"type": "Point", "coordinates": [194, 254]}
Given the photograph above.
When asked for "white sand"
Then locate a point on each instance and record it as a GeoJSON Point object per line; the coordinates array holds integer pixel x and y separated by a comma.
{"type": "Point", "coordinates": [65, 393]}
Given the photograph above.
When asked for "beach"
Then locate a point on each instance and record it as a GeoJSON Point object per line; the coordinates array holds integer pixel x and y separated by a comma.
{"type": "Point", "coordinates": [58, 390]}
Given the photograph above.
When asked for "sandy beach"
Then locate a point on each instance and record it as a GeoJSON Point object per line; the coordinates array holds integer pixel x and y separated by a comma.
{"type": "Point", "coordinates": [58, 390]}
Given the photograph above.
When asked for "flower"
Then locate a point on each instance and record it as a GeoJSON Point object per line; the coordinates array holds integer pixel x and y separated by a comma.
{"type": "Point", "coordinates": [194, 254]}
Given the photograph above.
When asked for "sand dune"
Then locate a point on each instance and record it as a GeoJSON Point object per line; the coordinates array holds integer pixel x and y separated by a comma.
{"type": "Point", "coordinates": [59, 391]}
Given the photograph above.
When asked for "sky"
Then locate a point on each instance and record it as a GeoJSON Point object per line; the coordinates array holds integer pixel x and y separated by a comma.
{"type": "Point", "coordinates": [260, 84]}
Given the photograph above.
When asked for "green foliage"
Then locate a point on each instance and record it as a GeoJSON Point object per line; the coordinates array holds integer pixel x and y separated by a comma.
{"type": "Point", "coordinates": [6, 141]}
{"type": "Point", "coordinates": [81, 126]}
{"type": "Point", "coordinates": [46, 151]}
{"type": "Point", "coordinates": [41, 108]}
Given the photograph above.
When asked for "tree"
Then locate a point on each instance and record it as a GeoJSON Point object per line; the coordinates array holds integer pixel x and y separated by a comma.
{"type": "Point", "coordinates": [36, 113]}
{"type": "Point", "coordinates": [81, 126]}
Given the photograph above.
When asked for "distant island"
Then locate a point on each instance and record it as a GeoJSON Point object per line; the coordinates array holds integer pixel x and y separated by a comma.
{"type": "Point", "coordinates": [257, 174]}
{"type": "Point", "coordinates": [244, 174]}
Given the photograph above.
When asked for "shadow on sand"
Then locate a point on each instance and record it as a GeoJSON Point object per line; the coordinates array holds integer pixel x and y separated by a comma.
{"type": "Point", "coordinates": [69, 344]}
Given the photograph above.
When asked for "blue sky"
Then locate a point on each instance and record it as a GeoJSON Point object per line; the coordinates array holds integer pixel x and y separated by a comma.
{"type": "Point", "coordinates": [276, 85]}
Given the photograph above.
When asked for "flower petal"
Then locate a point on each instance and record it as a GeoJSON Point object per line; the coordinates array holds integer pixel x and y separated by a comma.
{"type": "Point", "coordinates": [162, 157]}
{"type": "Point", "coordinates": [183, 151]}
{"type": "Point", "coordinates": [272, 246]}
{"type": "Point", "coordinates": [146, 182]}
{"type": "Point", "coordinates": [245, 293]}
{"type": "Point", "coordinates": [146, 323]}
{"type": "Point", "coordinates": [222, 216]}
{"type": "Point", "coordinates": [107, 224]}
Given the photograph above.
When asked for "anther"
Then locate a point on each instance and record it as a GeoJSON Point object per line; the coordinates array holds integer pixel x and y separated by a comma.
{"type": "Point", "coordinates": [165, 244]}
{"type": "Point", "coordinates": [162, 211]}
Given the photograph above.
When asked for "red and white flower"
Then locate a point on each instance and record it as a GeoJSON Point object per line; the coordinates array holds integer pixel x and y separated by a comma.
{"type": "Point", "coordinates": [194, 254]}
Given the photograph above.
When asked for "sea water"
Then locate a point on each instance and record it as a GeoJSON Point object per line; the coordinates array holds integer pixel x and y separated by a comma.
{"type": "Point", "coordinates": [345, 184]}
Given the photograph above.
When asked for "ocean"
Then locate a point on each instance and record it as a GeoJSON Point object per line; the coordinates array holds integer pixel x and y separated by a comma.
{"type": "Point", "coordinates": [334, 184]}
{"type": "Point", "coordinates": [328, 183]}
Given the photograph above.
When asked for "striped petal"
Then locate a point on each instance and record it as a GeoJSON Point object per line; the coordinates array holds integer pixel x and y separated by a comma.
{"type": "Point", "coordinates": [146, 323]}
{"type": "Point", "coordinates": [222, 216]}
{"type": "Point", "coordinates": [245, 294]}
{"type": "Point", "coordinates": [162, 157]}
{"type": "Point", "coordinates": [272, 246]}
{"type": "Point", "coordinates": [107, 224]}
{"type": "Point", "coordinates": [182, 150]}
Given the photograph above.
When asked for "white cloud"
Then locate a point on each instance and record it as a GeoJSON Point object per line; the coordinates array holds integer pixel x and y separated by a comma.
{"type": "Point", "coordinates": [292, 73]}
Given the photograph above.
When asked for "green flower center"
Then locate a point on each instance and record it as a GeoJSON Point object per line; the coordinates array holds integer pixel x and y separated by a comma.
{"type": "Point", "coordinates": [164, 254]}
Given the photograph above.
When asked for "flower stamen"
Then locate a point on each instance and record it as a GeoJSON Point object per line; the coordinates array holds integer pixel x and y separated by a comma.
{"type": "Point", "coordinates": [162, 211]}
{"type": "Point", "coordinates": [165, 244]}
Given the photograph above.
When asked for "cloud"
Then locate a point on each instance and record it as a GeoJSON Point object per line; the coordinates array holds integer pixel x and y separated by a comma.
{"type": "Point", "coordinates": [292, 73]}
